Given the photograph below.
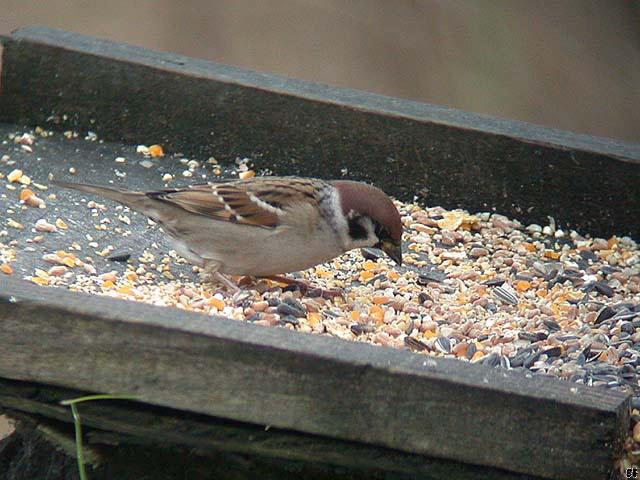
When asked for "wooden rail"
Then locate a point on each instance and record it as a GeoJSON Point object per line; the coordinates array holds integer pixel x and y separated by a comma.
{"type": "Point", "coordinates": [309, 383]}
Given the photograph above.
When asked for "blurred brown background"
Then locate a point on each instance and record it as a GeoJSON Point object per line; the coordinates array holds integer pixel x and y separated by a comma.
{"type": "Point", "coordinates": [569, 64]}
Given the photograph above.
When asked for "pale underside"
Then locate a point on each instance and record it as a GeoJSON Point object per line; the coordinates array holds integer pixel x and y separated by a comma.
{"type": "Point", "coordinates": [302, 240]}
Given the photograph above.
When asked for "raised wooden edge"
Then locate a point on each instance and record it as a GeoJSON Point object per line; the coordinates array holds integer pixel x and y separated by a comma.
{"type": "Point", "coordinates": [313, 384]}
{"type": "Point", "coordinates": [411, 150]}
{"type": "Point", "coordinates": [349, 98]}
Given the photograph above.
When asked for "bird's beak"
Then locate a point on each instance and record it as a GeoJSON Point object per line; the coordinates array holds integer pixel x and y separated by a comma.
{"type": "Point", "coordinates": [394, 251]}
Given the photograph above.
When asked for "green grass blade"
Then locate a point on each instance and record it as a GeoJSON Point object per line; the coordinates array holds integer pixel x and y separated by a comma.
{"type": "Point", "coordinates": [82, 471]}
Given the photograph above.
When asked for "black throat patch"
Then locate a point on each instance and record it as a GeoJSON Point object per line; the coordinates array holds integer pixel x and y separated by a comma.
{"type": "Point", "coordinates": [356, 230]}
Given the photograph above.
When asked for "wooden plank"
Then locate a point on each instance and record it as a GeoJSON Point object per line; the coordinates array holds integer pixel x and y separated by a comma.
{"type": "Point", "coordinates": [442, 156]}
{"type": "Point", "coordinates": [313, 384]}
{"type": "Point", "coordinates": [132, 422]}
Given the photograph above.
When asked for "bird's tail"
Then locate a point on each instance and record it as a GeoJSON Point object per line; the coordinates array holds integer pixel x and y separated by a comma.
{"type": "Point", "coordinates": [134, 200]}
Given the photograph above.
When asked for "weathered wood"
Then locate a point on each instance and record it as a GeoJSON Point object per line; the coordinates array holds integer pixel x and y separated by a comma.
{"type": "Point", "coordinates": [308, 383]}
{"type": "Point", "coordinates": [135, 423]}
{"type": "Point", "coordinates": [33, 452]}
{"type": "Point", "coordinates": [443, 156]}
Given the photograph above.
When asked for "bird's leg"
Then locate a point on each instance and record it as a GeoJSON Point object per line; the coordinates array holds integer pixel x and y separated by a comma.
{"type": "Point", "coordinates": [210, 274]}
{"type": "Point", "coordinates": [305, 288]}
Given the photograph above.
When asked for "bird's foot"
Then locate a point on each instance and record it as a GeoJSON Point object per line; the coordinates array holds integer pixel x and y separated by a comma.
{"type": "Point", "coordinates": [210, 274]}
{"type": "Point", "coordinates": [306, 289]}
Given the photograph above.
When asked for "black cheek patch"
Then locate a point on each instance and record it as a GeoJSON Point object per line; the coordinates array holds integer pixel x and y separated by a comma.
{"type": "Point", "coordinates": [356, 230]}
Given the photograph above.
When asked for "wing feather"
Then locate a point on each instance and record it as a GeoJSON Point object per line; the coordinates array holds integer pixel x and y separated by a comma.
{"type": "Point", "coordinates": [260, 202]}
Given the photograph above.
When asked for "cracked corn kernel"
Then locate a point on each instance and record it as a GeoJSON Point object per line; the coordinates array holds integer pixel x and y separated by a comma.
{"type": "Point", "coordinates": [247, 174]}
{"type": "Point", "coordinates": [551, 254]}
{"type": "Point", "coordinates": [323, 272]}
{"type": "Point", "coordinates": [13, 224]}
{"type": "Point", "coordinates": [57, 270]}
{"type": "Point", "coordinates": [369, 265]}
{"type": "Point", "coordinates": [68, 261]}
{"type": "Point", "coordinates": [26, 193]}
{"type": "Point", "coordinates": [131, 276]}
{"type": "Point", "coordinates": [381, 300]}
{"type": "Point", "coordinates": [314, 318]}
{"type": "Point", "coordinates": [216, 302]}
{"type": "Point", "coordinates": [24, 179]}
{"type": "Point", "coordinates": [366, 276]}
{"type": "Point", "coordinates": [61, 224]}
{"type": "Point", "coordinates": [40, 281]}
{"type": "Point", "coordinates": [451, 221]}
{"type": "Point", "coordinates": [15, 175]}
{"type": "Point", "coordinates": [124, 289]}
{"type": "Point", "coordinates": [476, 356]}
{"type": "Point", "coordinates": [523, 285]}
{"type": "Point", "coordinates": [108, 284]}
{"type": "Point", "coordinates": [156, 151]}
{"type": "Point", "coordinates": [377, 313]}
{"type": "Point", "coordinates": [6, 269]}
{"type": "Point", "coordinates": [41, 273]}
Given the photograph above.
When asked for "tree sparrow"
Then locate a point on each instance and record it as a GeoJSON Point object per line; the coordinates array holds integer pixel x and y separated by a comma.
{"type": "Point", "coordinates": [267, 225]}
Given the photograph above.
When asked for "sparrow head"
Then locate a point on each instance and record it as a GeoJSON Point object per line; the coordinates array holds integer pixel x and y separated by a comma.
{"type": "Point", "coordinates": [373, 220]}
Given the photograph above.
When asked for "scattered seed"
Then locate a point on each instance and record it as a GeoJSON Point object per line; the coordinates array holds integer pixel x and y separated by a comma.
{"type": "Point", "coordinates": [415, 344]}
{"type": "Point", "coordinates": [506, 294]}
{"type": "Point", "coordinates": [155, 151]}
{"type": "Point", "coordinates": [14, 176]}
{"type": "Point", "coordinates": [119, 256]}
{"type": "Point", "coordinates": [288, 309]}
{"type": "Point", "coordinates": [6, 269]}
{"type": "Point", "coordinates": [443, 344]}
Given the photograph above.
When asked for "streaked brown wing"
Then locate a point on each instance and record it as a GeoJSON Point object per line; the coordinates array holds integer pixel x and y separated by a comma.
{"type": "Point", "coordinates": [230, 202]}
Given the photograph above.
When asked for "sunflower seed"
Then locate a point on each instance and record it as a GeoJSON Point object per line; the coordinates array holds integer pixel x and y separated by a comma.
{"type": "Point", "coordinates": [600, 287]}
{"type": "Point", "coordinates": [506, 294]}
{"type": "Point", "coordinates": [552, 325]}
{"type": "Point", "coordinates": [119, 256]}
{"type": "Point", "coordinates": [553, 352]}
{"type": "Point", "coordinates": [495, 282]}
{"type": "Point", "coordinates": [360, 328]}
{"type": "Point", "coordinates": [492, 360]}
{"type": "Point", "coordinates": [431, 275]}
{"type": "Point", "coordinates": [471, 351]}
{"type": "Point", "coordinates": [371, 254]}
{"type": "Point", "coordinates": [588, 255]}
{"type": "Point", "coordinates": [531, 359]}
{"type": "Point", "coordinates": [443, 344]}
{"type": "Point", "coordinates": [505, 362]}
{"type": "Point", "coordinates": [520, 357]}
{"type": "Point", "coordinates": [415, 344]}
{"type": "Point", "coordinates": [289, 319]}
{"type": "Point", "coordinates": [604, 314]}
{"type": "Point", "coordinates": [286, 308]}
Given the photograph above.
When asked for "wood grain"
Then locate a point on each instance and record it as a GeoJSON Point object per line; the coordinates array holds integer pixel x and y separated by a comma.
{"type": "Point", "coordinates": [126, 422]}
{"type": "Point", "coordinates": [312, 384]}
{"type": "Point", "coordinates": [440, 155]}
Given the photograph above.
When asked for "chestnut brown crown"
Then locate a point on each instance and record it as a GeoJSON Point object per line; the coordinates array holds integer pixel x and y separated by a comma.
{"type": "Point", "coordinates": [365, 200]}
